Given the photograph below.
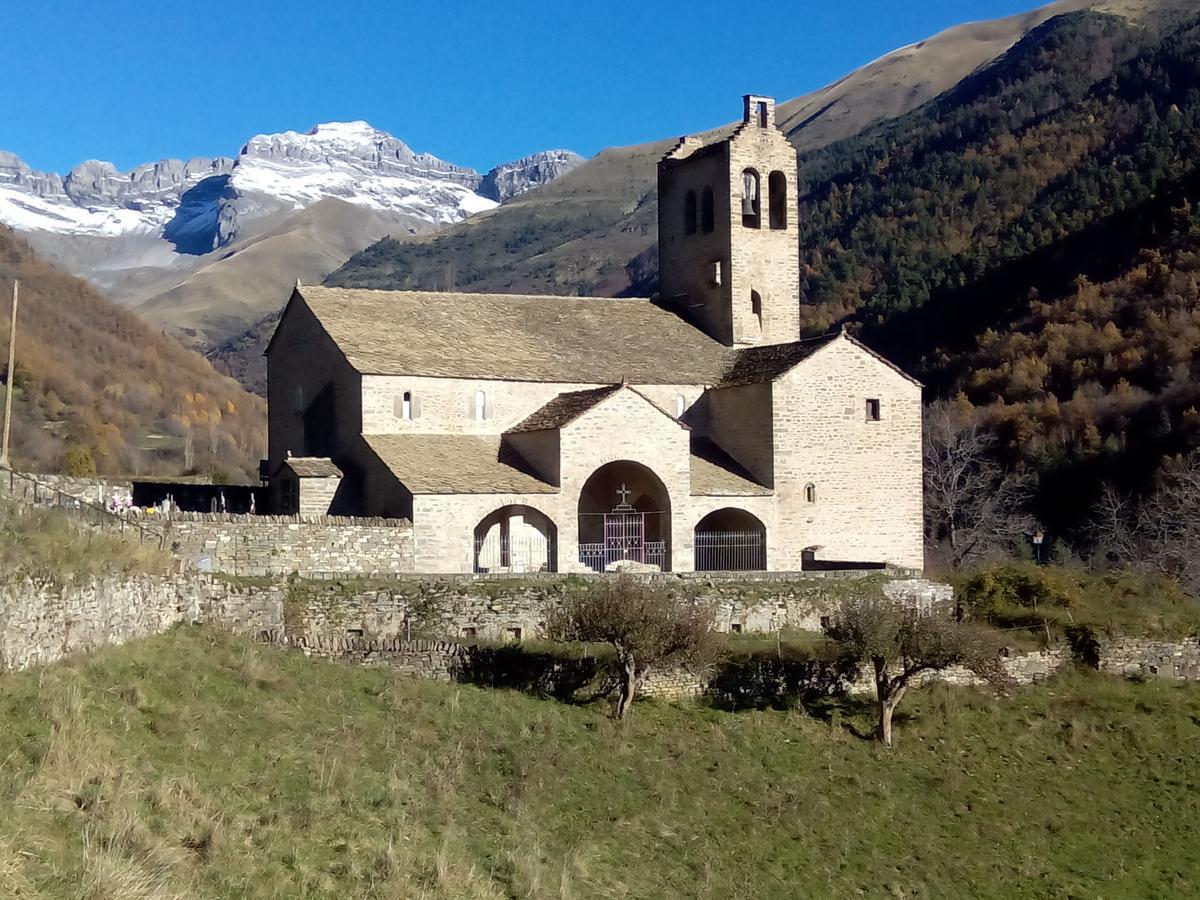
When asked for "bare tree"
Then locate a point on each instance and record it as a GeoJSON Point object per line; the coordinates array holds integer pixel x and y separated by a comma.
{"type": "Point", "coordinates": [647, 627]}
{"type": "Point", "coordinates": [973, 506]}
{"type": "Point", "coordinates": [900, 644]}
{"type": "Point", "coordinates": [1159, 533]}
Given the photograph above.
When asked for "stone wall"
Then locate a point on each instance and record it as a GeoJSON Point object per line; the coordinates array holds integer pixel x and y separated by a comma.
{"type": "Point", "coordinates": [41, 621]}
{"type": "Point", "coordinates": [280, 545]}
{"type": "Point", "coordinates": [1142, 657]}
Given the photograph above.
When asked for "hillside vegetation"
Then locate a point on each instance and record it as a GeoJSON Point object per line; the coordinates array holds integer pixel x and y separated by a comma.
{"type": "Point", "coordinates": [196, 765]}
{"type": "Point", "coordinates": [98, 390]}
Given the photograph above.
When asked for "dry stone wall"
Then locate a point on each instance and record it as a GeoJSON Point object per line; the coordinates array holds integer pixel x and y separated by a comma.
{"type": "Point", "coordinates": [259, 546]}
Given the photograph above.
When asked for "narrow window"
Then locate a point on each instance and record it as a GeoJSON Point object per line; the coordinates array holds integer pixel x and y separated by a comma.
{"type": "Point", "coordinates": [750, 199]}
{"type": "Point", "coordinates": [716, 273]}
{"type": "Point", "coordinates": [689, 213]}
{"type": "Point", "coordinates": [680, 406]}
{"type": "Point", "coordinates": [761, 109]}
{"type": "Point", "coordinates": [707, 218]}
{"type": "Point", "coordinates": [810, 493]}
{"type": "Point", "coordinates": [756, 307]}
{"type": "Point", "coordinates": [480, 406]}
{"type": "Point", "coordinates": [777, 195]}
{"type": "Point", "coordinates": [406, 409]}
{"type": "Point", "coordinates": [873, 414]}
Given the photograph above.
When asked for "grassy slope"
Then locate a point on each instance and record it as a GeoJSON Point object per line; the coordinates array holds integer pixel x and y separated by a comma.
{"type": "Point", "coordinates": [194, 765]}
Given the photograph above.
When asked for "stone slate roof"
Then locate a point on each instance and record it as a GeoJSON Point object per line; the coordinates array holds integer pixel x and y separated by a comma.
{"type": "Point", "coordinates": [564, 408]}
{"type": "Point", "coordinates": [515, 337]}
{"type": "Point", "coordinates": [456, 464]}
{"type": "Point", "coordinates": [716, 474]}
{"type": "Point", "coordinates": [752, 365]}
{"type": "Point", "coordinates": [313, 467]}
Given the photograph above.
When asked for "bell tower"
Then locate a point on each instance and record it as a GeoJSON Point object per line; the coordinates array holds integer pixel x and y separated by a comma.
{"type": "Point", "coordinates": [727, 232]}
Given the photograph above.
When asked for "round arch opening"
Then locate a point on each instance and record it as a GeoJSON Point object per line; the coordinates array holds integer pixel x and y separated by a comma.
{"type": "Point", "coordinates": [624, 514]}
{"type": "Point", "coordinates": [730, 540]}
{"type": "Point", "coordinates": [516, 539]}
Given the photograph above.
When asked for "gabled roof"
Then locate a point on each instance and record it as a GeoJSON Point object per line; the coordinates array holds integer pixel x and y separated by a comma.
{"type": "Point", "coordinates": [716, 474]}
{"type": "Point", "coordinates": [563, 409]}
{"type": "Point", "coordinates": [456, 464]}
{"type": "Point", "coordinates": [569, 406]}
{"type": "Point", "coordinates": [753, 365]}
{"type": "Point", "coordinates": [514, 337]}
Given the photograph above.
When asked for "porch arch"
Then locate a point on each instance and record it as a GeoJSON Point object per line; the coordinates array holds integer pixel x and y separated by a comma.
{"type": "Point", "coordinates": [730, 540]}
{"type": "Point", "coordinates": [515, 538]}
{"type": "Point", "coordinates": [624, 513]}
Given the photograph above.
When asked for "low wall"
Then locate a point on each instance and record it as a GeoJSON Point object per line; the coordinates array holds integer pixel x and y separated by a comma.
{"type": "Point", "coordinates": [258, 546]}
{"type": "Point", "coordinates": [41, 621]}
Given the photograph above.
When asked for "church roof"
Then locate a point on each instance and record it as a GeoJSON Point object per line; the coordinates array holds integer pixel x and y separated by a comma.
{"type": "Point", "coordinates": [716, 474]}
{"type": "Point", "coordinates": [515, 337]}
{"type": "Point", "coordinates": [564, 408]}
{"type": "Point", "coordinates": [456, 464]}
{"type": "Point", "coordinates": [756, 364]}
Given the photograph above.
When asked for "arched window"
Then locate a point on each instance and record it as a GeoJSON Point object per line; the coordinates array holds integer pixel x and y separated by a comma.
{"type": "Point", "coordinates": [680, 406]}
{"type": "Point", "coordinates": [707, 219]}
{"type": "Point", "coordinates": [689, 213]}
{"type": "Point", "coordinates": [777, 195]}
{"type": "Point", "coordinates": [480, 406]}
{"type": "Point", "coordinates": [750, 199]}
{"type": "Point", "coordinates": [810, 493]}
{"type": "Point", "coordinates": [756, 308]}
{"type": "Point", "coordinates": [406, 406]}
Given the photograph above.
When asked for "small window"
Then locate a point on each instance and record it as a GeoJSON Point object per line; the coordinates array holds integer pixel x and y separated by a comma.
{"type": "Point", "coordinates": [680, 406]}
{"type": "Point", "coordinates": [826, 623]}
{"type": "Point", "coordinates": [470, 631]}
{"type": "Point", "coordinates": [298, 399]}
{"type": "Point", "coordinates": [405, 407]}
{"type": "Point", "coordinates": [760, 109]}
{"type": "Point", "coordinates": [735, 627]}
{"type": "Point", "coordinates": [707, 216]}
{"type": "Point", "coordinates": [750, 199]}
{"type": "Point", "coordinates": [716, 273]}
{"type": "Point", "coordinates": [756, 308]}
{"type": "Point", "coordinates": [873, 411]}
{"type": "Point", "coordinates": [810, 493]}
{"type": "Point", "coordinates": [689, 213]}
{"type": "Point", "coordinates": [480, 406]}
{"type": "Point", "coordinates": [777, 195]}
{"type": "Point", "coordinates": [514, 634]}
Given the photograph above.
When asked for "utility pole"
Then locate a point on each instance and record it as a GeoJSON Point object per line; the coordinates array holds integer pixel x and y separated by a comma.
{"type": "Point", "coordinates": [12, 372]}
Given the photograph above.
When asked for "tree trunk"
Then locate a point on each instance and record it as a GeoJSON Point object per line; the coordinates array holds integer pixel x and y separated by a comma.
{"type": "Point", "coordinates": [629, 684]}
{"type": "Point", "coordinates": [887, 706]}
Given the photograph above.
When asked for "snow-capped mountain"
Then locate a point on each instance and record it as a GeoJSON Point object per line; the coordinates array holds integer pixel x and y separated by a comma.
{"type": "Point", "coordinates": [208, 245]}
{"type": "Point", "coordinates": [201, 204]}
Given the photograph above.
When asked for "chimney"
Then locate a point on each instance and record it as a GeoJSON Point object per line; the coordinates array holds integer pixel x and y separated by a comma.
{"type": "Point", "coordinates": [759, 110]}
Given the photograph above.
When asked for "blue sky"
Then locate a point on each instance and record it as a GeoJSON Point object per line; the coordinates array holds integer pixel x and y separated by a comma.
{"type": "Point", "coordinates": [476, 83]}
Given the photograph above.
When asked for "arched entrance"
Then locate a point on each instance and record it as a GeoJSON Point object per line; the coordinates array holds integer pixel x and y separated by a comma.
{"type": "Point", "coordinates": [624, 513]}
{"type": "Point", "coordinates": [730, 540]}
{"type": "Point", "coordinates": [516, 539]}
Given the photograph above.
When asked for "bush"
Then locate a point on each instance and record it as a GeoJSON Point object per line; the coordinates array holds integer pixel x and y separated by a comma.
{"type": "Point", "coordinates": [1008, 593]}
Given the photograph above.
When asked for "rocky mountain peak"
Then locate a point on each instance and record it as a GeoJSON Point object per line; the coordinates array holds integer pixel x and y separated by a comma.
{"type": "Point", "coordinates": [512, 179]}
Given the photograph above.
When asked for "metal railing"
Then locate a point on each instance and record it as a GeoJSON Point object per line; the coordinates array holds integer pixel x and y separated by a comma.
{"type": "Point", "coordinates": [30, 491]}
{"type": "Point", "coordinates": [598, 557]}
{"type": "Point", "coordinates": [730, 551]}
{"type": "Point", "coordinates": [496, 554]}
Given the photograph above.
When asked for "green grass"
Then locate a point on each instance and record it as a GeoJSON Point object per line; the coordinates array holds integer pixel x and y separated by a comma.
{"type": "Point", "coordinates": [49, 544]}
{"type": "Point", "coordinates": [194, 765]}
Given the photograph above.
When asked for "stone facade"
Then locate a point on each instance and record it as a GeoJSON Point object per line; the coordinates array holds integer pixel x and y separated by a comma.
{"type": "Point", "coordinates": [1146, 658]}
{"type": "Point", "coordinates": [811, 454]}
{"type": "Point", "coordinates": [282, 545]}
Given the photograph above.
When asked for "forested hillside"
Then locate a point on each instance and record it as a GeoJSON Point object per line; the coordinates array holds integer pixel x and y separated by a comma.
{"type": "Point", "coordinates": [1029, 242]}
{"type": "Point", "coordinates": [96, 389]}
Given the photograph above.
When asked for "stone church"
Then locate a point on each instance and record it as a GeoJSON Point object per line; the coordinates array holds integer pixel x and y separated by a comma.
{"type": "Point", "coordinates": [691, 431]}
